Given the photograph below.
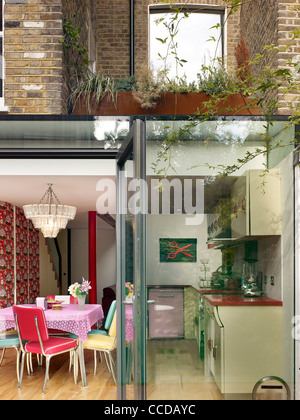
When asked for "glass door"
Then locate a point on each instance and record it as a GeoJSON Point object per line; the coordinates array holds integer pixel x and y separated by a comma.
{"type": "Point", "coordinates": [131, 213]}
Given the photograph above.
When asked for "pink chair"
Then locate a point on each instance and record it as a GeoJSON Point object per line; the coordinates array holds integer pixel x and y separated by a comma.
{"type": "Point", "coordinates": [32, 327]}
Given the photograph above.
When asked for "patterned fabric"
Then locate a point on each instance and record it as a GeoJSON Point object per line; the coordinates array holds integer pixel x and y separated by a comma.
{"type": "Point", "coordinates": [1, 49]}
{"type": "Point", "coordinates": [128, 323]}
{"type": "Point", "coordinates": [70, 319]}
{"type": "Point", "coordinates": [27, 256]}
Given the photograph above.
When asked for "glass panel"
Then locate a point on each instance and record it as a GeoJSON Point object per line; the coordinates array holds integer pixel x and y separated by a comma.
{"type": "Point", "coordinates": [128, 267]}
{"type": "Point", "coordinates": [1, 66]}
{"type": "Point", "coordinates": [93, 133]}
{"type": "Point", "coordinates": [191, 42]}
{"type": "Point", "coordinates": [131, 263]}
{"type": "Point", "coordinates": [1, 15]}
{"type": "Point", "coordinates": [219, 258]}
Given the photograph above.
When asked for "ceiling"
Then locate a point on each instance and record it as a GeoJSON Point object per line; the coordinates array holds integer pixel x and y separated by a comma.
{"type": "Point", "coordinates": [78, 191]}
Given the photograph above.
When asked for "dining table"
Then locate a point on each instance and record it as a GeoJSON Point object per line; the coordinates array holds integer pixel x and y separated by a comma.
{"type": "Point", "coordinates": [69, 319]}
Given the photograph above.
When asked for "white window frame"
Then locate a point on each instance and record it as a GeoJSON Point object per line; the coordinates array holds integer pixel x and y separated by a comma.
{"type": "Point", "coordinates": [91, 43]}
{"type": "Point", "coordinates": [211, 9]}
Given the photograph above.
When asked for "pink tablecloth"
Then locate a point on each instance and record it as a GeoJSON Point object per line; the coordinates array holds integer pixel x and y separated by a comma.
{"type": "Point", "coordinates": [70, 319]}
{"type": "Point", "coordinates": [128, 323]}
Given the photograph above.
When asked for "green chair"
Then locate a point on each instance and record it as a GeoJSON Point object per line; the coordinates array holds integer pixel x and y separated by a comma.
{"type": "Point", "coordinates": [10, 339]}
{"type": "Point", "coordinates": [108, 321]}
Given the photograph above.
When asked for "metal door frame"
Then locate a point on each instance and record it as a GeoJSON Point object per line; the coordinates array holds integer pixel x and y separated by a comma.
{"type": "Point", "coordinates": [135, 143]}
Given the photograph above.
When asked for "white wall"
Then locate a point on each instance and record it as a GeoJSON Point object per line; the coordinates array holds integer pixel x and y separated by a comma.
{"type": "Point", "coordinates": [177, 273]}
{"type": "Point", "coordinates": [106, 258]}
{"type": "Point", "coordinates": [48, 283]}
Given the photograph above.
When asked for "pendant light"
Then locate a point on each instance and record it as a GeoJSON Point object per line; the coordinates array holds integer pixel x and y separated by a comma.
{"type": "Point", "coordinates": [49, 217]}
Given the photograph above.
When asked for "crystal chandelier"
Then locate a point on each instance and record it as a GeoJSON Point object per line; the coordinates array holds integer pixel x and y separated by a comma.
{"type": "Point", "coordinates": [49, 217]}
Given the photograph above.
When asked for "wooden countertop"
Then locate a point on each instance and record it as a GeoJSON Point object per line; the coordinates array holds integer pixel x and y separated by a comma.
{"type": "Point", "coordinates": [239, 300]}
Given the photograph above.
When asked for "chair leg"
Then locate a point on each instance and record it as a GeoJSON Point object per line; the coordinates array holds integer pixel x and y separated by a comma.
{"type": "Point", "coordinates": [112, 364]}
{"type": "Point", "coordinates": [47, 373]}
{"type": "Point", "coordinates": [39, 358]}
{"type": "Point", "coordinates": [75, 358]}
{"type": "Point", "coordinates": [18, 362]}
{"type": "Point", "coordinates": [28, 363]}
{"type": "Point", "coordinates": [71, 361]}
{"type": "Point", "coordinates": [2, 356]}
{"type": "Point", "coordinates": [95, 362]}
{"type": "Point", "coordinates": [22, 370]}
{"type": "Point", "coordinates": [107, 362]}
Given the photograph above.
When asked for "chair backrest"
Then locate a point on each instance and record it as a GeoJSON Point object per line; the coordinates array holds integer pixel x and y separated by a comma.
{"type": "Point", "coordinates": [26, 323]}
{"type": "Point", "coordinates": [73, 299]}
{"type": "Point", "coordinates": [66, 299]}
{"type": "Point", "coordinates": [113, 328]}
{"type": "Point", "coordinates": [110, 315]}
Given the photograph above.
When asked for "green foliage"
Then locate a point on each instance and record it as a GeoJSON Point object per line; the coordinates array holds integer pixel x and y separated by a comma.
{"type": "Point", "coordinates": [71, 41]}
{"type": "Point", "coordinates": [216, 80]}
{"type": "Point", "coordinates": [93, 87]}
{"type": "Point", "coordinates": [180, 85]}
{"type": "Point", "coordinates": [126, 85]}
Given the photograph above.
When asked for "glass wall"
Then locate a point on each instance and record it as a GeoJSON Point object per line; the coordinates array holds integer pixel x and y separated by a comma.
{"type": "Point", "coordinates": [220, 258]}
{"type": "Point", "coordinates": [57, 132]}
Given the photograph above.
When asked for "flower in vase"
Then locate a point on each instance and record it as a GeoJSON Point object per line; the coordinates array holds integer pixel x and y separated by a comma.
{"type": "Point", "coordinates": [78, 289]}
{"type": "Point", "coordinates": [128, 289]}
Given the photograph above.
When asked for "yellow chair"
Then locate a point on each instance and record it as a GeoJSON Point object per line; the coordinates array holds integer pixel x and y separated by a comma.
{"type": "Point", "coordinates": [105, 344]}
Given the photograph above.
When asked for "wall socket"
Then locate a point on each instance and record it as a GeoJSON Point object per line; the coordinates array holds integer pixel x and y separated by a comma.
{"type": "Point", "coordinates": [272, 280]}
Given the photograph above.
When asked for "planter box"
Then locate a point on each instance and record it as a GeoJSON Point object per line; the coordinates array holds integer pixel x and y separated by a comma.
{"type": "Point", "coordinates": [169, 104]}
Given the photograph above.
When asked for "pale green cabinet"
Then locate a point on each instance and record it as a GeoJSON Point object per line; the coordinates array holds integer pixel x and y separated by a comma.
{"type": "Point", "coordinates": [256, 204]}
{"type": "Point", "coordinates": [242, 345]}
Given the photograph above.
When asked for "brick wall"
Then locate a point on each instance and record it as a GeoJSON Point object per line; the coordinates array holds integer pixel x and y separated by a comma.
{"type": "Point", "coordinates": [288, 21]}
{"type": "Point", "coordinates": [33, 56]}
{"type": "Point", "coordinates": [271, 23]}
{"type": "Point", "coordinates": [77, 12]}
{"type": "Point", "coordinates": [114, 34]}
{"type": "Point", "coordinates": [38, 75]}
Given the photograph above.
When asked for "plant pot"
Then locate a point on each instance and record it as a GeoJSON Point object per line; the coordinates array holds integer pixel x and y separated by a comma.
{"type": "Point", "coordinates": [169, 104]}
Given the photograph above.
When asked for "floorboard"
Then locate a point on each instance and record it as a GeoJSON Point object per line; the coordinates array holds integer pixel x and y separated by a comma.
{"type": "Point", "coordinates": [174, 373]}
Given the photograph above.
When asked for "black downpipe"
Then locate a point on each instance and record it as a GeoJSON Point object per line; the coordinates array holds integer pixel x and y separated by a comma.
{"type": "Point", "coordinates": [131, 37]}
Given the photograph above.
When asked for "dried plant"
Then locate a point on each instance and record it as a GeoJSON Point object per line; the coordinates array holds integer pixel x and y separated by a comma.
{"type": "Point", "coordinates": [242, 56]}
{"type": "Point", "coordinates": [149, 87]}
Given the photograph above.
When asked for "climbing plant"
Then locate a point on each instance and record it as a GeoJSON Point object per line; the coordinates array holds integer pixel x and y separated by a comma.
{"type": "Point", "coordinates": [263, 88]}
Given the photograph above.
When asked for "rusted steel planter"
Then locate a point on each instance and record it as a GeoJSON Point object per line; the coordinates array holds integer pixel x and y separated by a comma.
{"type": "Point", "coordinates": [169, 104]}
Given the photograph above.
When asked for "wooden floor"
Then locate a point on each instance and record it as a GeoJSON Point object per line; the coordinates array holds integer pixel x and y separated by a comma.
{"type": "Point", "coordinates": [174, 373]}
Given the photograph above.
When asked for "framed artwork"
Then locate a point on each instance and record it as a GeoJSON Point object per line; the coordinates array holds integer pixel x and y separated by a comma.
{"type": "Point", "coordinates": [178, 250]}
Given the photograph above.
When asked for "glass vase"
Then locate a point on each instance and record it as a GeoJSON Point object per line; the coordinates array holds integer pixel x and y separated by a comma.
{"type": "Point", "coordinates": [81, 302]}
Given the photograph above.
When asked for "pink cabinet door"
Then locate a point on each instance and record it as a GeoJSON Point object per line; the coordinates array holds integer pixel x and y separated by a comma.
{"type": "Point", "coordinates": [166, 314]}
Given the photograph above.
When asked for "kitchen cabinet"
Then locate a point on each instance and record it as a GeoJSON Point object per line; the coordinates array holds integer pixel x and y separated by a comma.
{"type": "Point", "coordinates": [166, 317]}
{"type": "Point", "coordinates": [214, 340]}
{"type": "Point", "coordinates": [243, 342]}
{"type": "Point", "coordinates": [256, 204]}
